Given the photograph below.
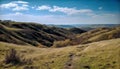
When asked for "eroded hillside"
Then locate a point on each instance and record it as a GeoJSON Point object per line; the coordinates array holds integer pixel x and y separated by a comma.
{"type": "Point", "coordinates": [32, 34]}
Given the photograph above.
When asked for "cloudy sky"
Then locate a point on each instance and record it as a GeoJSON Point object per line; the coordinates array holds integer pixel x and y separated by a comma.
{"type": "Point", "coordinates": [61, 11]}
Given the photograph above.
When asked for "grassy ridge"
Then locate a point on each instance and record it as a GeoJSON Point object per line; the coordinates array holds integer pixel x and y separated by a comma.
{"type": "Point", "coordinates": [95, 35]}
{"type": "Point", "coordinates": [98, 34]}
{"type": "Point", "coordinates": [31, 33]}
{"type": "Point", "coordinates": [47, 36]}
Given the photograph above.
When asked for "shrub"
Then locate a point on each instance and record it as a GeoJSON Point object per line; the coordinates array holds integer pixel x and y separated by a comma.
{"type": "Point", "coordinates": [61, 43]}
{"type": "Point", "coordinates": [12, 57]}
{"type": "Point", "coordinates": [15, 58]}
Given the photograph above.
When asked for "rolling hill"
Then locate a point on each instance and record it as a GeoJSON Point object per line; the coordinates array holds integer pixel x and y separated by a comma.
{"type": "Point", "coordinates": [46, 36]}
{"type": "Point", "coordinates": [98, 34]}
{"type": "Point", "coordinates": [95, 49]}
{"type": "Point", "coordinates": [32, 34]}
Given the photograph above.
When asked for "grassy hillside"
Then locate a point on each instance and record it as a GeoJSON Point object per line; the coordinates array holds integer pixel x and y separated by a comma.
{"type": "Point", "coordinates": [98, 34]}
{"type": "Point", "coordinates": [47, 36]}
{"type": "Point", "coordinates": [96, 55]}
{"type": "Point", "coordinates": [32, 33]}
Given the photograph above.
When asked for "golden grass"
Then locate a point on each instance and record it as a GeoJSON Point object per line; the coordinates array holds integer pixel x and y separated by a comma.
{"type": "Point", "coordinates": [61, 43]}
{"type": "Point", "coordinates": [97, 55]}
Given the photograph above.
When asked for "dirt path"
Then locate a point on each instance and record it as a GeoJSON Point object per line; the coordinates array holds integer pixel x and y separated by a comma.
{"type": "Point", "coordinates": [69, 63]}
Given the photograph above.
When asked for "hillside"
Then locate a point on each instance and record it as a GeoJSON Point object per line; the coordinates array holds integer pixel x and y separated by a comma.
{"type": "Point", "coordinates": [95, 49]}
{"type": "Point", "coordinates": [32, 33]}
{"type": "Point", "coordinates": [87, 27]}
{"type": "Point", "coordinates": [97, 34]}
{"type": "Point", "coordinates": [96, 55]}
{"type": "Point", "coordinates": [46, 36]}
{"type": "Point", "coordinates": [76, 30]}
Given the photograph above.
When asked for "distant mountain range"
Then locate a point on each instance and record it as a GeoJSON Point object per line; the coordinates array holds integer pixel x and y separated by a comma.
{"type": "Point", "coordinates": [87, 26]}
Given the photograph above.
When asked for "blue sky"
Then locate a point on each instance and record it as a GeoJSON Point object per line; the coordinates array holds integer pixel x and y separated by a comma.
{"type": "Point", "coordinates": [61, 11]}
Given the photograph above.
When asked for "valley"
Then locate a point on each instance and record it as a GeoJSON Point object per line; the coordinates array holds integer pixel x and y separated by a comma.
{"type": "Point", "coordinates": [37, 46]}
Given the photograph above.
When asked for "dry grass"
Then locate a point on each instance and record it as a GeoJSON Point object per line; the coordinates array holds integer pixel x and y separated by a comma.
{"type": "Point", "coordinates": [97, 55]}
{"type": "Point", "coordinates": [63, 43]}
{"type": "Point", "coordinates": [13, 57]}
{"type": "Point", "coordinates": [97, 35]}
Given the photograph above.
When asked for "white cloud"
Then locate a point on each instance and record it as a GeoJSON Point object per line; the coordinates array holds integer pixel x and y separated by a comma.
{"type": "Point", "coordinates": [18, 8]}
{"type": "Point", "coordinates": [100, 8]}
{"type": "Point", "coordinates": [62, 9]}
{"type": "Point", "coordinates": [65, 10]}
{"type": "Point", "coordinates": [33, 7]}
{"type": "Point", "coordinates": [85, 11]}
{"type": "Point", "coordinates": [43, 7]}
{"type": "Point", "coordinates": [8, 5]}
{"type": "Point", "coordinates": [15, 5]}
{"type": "Point", "coordinates": [18, 13]}
{"type": "Point", "coordinates": [22, 2]}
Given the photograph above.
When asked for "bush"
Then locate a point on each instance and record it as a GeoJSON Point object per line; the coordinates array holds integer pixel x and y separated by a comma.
{"type": "Point", "coordinates": [15, 58]}
{"type": "Point", "coordinates": [61, 43]}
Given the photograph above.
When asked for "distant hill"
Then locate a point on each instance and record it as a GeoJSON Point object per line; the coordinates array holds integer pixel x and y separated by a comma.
{"type": "Point", "coordinates": [76, 30]}
{"type": "Point", "coordinates": [32, 33]}
{"type": "Point", "coordinates": [87, 27]}
{"type": "Point", "coordinates": [98, 34]}
{"type": "Point", "coordinates": [63, 26]}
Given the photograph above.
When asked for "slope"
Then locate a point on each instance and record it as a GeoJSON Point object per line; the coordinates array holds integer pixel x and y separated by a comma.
{"type": "Point", "coordinates": [95, 35]}
{"type": "Point", "coordinates": [32, 33]}
{"type": "Point", "coordinates": [96, 55]}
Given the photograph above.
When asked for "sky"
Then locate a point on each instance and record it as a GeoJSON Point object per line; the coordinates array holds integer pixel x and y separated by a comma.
{"type": "Point", "coordinates": [61, 11]}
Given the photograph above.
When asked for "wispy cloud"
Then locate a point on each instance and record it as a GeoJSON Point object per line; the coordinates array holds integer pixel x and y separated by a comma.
{"type": "Point", "coordinates": [56, 19]}
{"type": "Point", "coordinates": [73, 14]}
{"type": "Point", "coordinates": [15, 5]}
{"type": "Point", "coordinates": [20, 8]}
{"type": "Point", "coordinates": [8, 5]}
{"type": "Point", "coordinates": [22, 2]}
{"type": "Point", "coordinates": [17, 13]}
{"type": "Point", "coordinates": [65, 10]}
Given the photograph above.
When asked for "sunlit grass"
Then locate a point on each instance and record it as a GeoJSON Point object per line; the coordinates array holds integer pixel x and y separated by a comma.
{"type": "Point", "coordinates": [97, 55]}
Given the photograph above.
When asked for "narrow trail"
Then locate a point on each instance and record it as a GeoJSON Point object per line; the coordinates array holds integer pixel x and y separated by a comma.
{"type": "Point", "coordinates": [71, 57]}
{"type": "Point", "coordinates": [69, 63]}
